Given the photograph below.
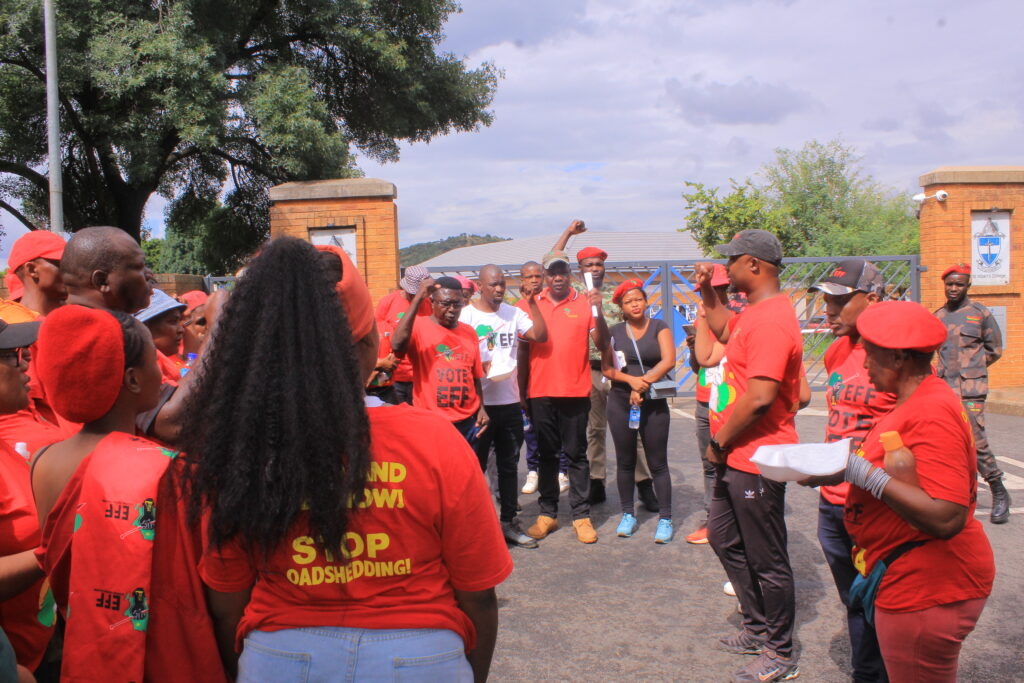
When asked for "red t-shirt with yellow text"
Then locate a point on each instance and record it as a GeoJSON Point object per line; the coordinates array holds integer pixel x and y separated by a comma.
{"type": "Point", "coordinates": [560, 367]}
{"type": "Point", "coordinates": [934, 426]}
{"type": "Point", "coordinates": [425, 527]}
{"type": "Point", "coordinates": [390, 309]}
{"type": "Point", "coordinates": [764, 341]}
{"type": "Point", "coordinates": [445, 363]}
{"type": "Point", "coordinates": [854, 405]}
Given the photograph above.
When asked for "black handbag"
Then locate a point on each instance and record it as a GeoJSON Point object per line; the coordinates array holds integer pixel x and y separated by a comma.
{"type": "Point", "coordinates": [663, 388]}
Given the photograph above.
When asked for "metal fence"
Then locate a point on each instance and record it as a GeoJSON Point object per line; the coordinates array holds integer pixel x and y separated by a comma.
{"type": "Point", "coordinates": [671, 297]}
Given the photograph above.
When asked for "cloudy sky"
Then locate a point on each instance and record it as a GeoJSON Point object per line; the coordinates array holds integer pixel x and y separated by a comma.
{"type": "Point", "coordinates": [607, 107]}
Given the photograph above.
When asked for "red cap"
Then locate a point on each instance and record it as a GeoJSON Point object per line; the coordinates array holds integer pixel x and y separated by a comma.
{"type": "Point", "coordinates": [192, 300]}
{"type": "Point", "coordinates": [620, 291]}
{"type": "Point", "coordinates": [80, 361]}
{"type": "Point", "coordinates": [962, 268]}
{"type": "Point", "coordinates": [591, 252]}
{"type": "Point", "coordinates": [33, 245]}
{"type": "Point", "coordinates": [719, 276]}
{"type": "Point", "coordinates": [901, 325]}
{"type": "Point", "coordinates": [15, 290]}
{"type": "Point", "coordinates": [353, 292]}
{"type": "Point", "coordinates": [466, 283]}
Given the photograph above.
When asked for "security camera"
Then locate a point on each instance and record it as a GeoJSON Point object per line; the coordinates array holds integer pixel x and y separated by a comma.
{"type": "Point", "coordinates": [942, 195]}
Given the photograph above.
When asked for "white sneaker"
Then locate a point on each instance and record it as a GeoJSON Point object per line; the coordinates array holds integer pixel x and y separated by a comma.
{"type": "Point", "coordinates": [563, 482]}
{"type": "Point", "coordinates": [531, 483]}
{"type": "Point", "coordinates": [728, 589]}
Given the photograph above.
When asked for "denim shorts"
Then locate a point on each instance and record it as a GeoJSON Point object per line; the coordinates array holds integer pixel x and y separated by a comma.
{"type": "Point", "coordinates": [327, 653]}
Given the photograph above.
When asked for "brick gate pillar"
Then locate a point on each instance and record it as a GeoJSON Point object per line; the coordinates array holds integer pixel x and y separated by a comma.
{"type": "Point", "coordinates": [357, 214]}
{"type": "Point", "coordinates": [950, 233]}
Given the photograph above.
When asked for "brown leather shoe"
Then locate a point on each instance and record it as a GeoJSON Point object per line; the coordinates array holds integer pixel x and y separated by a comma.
{"type": "Point", "coordinates": [584, 530]}
{"type": "Point", "coordinates": [542, 527]}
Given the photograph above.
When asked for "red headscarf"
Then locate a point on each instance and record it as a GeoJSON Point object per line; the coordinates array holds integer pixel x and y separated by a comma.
{"type": "Point", "coordinates": [353, 292]}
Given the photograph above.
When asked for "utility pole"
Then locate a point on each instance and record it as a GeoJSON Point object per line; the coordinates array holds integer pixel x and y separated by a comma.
{"type": "Point", "coordinates": [53, 119]}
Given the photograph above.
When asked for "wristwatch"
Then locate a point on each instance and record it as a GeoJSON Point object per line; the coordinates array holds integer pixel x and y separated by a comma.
{"type": "Point", "coordinates": [717, 447]}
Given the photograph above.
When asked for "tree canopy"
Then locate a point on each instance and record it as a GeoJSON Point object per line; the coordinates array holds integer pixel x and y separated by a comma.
{"type": "Point", "coordinates": [210, 102]}
{"type": "Point", "coordinates": [423, 251]}
{"type": "Point", "coordinates": [817, 200]}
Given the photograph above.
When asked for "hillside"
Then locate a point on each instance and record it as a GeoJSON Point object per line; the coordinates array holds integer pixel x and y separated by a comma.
{"type": "Point", "coordinates": [418, 253]}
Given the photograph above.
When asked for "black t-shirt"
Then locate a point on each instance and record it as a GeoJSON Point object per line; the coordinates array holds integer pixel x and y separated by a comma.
{"type": "Point", "coordinates": [650, 351]}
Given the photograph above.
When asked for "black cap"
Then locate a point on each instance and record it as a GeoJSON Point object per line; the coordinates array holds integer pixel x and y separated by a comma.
{"type": "Point", "coordinates": [758, 243]}
{"type": "Point", "coordinates": [851, 275]}
{"type": "Point", "coordinates": [17, 335]}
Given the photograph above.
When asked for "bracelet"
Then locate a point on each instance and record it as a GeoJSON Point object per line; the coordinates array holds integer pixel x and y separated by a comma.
{"type": "Point", "coordinates": [717, 447]}
{"type": "Point", "coordinates": [863, 474]}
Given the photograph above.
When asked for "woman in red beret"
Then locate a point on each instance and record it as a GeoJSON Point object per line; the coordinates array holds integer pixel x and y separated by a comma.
{"type": "Point", "coordinates": [348, 538]}
{"type": "Point", "coordinates": [120, 556]}
{"type": "Point", "coordinates": [642, 352]}
{"type": "Point", "coordinates": [926, 566]}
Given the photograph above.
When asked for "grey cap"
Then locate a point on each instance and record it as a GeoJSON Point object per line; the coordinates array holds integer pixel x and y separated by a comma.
{"type": "Point", "coordinates": [18, 335]}
{"type": "Point", "coordinates": [414, 275]}
{"type": "Point", "coordinates": [159, 303]}
{"type": "Point", "coordinates": [758, 243]}
{"type": "Point", "coordinates": [851, 275]}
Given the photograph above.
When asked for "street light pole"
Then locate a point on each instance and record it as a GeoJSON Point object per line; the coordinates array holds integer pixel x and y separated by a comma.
{"type": "Point", "coordinates": [53, 119]}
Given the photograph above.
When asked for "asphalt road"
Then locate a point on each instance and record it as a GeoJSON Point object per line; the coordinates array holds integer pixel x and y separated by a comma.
{"type": "Point", "coordinates": [630, 610]}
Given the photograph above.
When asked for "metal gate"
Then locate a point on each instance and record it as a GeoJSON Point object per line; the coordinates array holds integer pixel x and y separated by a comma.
{"type": "Point", "coordinates": [671, 297]}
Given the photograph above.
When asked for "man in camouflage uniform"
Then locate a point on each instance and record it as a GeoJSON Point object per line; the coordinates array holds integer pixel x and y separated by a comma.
{"type": "Point", "coordinates": [974, 343]}
{"type": "Point", "coordinates": [591, 260]}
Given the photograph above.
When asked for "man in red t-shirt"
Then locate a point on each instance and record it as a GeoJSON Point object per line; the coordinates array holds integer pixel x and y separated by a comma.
{"type": "Point", "coordinates": [558, 388]}
{"type": "Point", "coordinates": [445, 356]}
{"type": "Point", "coordinates": [854, 406]}
{"type": "Point", "coordinates": [753, 405]}
{"type": "Point", "coordinates": [390, 311]}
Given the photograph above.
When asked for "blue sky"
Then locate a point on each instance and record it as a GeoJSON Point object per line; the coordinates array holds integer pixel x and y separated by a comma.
{"type": "Point", "coordinates": [606, 108]}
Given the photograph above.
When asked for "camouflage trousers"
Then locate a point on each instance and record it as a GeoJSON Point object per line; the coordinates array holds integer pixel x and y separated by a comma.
{"type": "Point", "coordinates": [987, 467]}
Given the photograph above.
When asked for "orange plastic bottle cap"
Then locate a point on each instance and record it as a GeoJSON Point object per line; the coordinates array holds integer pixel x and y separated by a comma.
{"type": "Point", "coordinates": [891, 441]}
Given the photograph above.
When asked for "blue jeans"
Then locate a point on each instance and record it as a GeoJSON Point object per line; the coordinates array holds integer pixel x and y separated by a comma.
{"type": "Point", "coordinates": [329, 653]}
{"type": "Point", "coordinates": [866, 657]}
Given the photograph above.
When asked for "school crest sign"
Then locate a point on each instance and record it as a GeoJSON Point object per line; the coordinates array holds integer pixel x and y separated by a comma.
{"type": "Point", "coordinates": [990, 247]}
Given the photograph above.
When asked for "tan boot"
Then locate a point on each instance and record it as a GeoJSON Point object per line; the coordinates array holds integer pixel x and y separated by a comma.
{"type": "Point", "coordinates": [542, 527]}
{"type": "Point", "coordinates": [584, 530]}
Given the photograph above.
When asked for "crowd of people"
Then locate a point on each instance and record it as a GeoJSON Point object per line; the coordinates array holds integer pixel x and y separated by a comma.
{"type": "Point", "coordinates": [287, 480]}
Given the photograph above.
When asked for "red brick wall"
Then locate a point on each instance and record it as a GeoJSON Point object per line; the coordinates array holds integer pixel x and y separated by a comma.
{"type": "Point", "coordinates": [945, 239]}
{"type": "Point", "coordinates": [376, 222]}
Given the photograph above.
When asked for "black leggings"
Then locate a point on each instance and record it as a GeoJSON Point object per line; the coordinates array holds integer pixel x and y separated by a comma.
{"type": "Point", "coordinates": [654, 420]}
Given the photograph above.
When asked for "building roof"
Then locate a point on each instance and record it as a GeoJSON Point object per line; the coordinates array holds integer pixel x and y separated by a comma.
{"type": "Point", "coordinates": [628, 247]}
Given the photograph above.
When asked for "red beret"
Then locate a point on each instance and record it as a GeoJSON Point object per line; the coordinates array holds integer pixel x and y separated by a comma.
{"type": "Point", "coordinates": [353, 292]}
{"type": "Point", "coordinates": [80, 360]}
{"type": "Point", "coordinates": [962, 268]}
{"type": "Point", "coordinates": [901, 325]}
{"type": "Point", "coordinates": [591, 252]}
{"type": "Point", "coordinates": [15, 290]}
{"type": "Point", "coordinates": [33, 245]}
{"type": "Point", "coordinates": [193, 300]}
{"type": "Point", "coordinates": [620, 291]}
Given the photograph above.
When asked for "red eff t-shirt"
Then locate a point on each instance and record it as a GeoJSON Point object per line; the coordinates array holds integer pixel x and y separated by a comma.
{"type": "Point", "coordinates": [445, 363]}
{"type": "Point", "coordinates": [934, 426]}
{"type": "Point", "coordinates": [425, 527]}
{"type": "Point", "coordinates": [764, 341]}
{"type": "Point", "coordinates": [560, 367]}
{"type": "Point", "coordinates": [854, 405]}
{"type": "Point", "coordinates": [21, 615]}
{"type": "Point", "coordinates": [390, 310]}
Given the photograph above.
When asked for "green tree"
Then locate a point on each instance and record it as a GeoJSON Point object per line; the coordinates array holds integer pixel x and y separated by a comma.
{"type": "Point", "coordinates": [423, 251]}
{"type": "Point", "coordinates": [154, 248]}
{"type": "Point", "coordinates": [817, 200]}
{"type": "Point", "coordinates": [219, 99]}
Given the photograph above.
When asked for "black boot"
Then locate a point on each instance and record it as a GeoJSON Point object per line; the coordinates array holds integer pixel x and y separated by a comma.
{"type": "Point", "coordinates": [1000, 502]}
{"type": "Point", "coordinates": [646, 490]}
{"type": "Point", "coordinates": [597, 494]}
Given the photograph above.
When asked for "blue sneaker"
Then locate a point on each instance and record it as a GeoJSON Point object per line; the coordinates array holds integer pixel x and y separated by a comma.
{"type": "Point", "coordinates": [627, 527]}
{"type": "Point", "coordinates": [664, 532]}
